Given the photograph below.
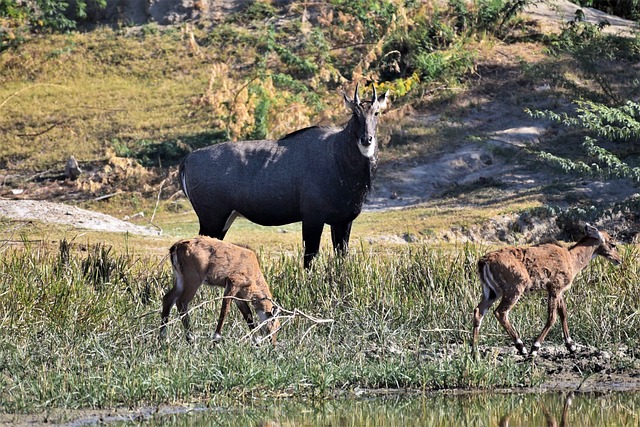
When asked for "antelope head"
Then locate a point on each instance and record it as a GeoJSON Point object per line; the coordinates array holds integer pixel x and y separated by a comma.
{"type": "Point", "coordinates": [607, 248]}
{"type": "Point", "coordinates": [365, 119]}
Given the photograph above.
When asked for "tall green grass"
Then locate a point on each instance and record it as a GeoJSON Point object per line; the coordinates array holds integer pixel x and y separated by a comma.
{"type": "Point", "coordinates": [79, 328]}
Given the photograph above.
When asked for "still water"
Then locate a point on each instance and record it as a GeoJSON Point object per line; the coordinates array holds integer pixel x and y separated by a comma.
{"type": "Point", "coordinates": [549, 409]}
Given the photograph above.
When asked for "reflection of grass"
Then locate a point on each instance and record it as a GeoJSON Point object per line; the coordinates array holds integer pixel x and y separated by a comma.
{"type": "Point", "coordinates": [437, 410]}
{"type": "Point", "coordinates": [73, 336]}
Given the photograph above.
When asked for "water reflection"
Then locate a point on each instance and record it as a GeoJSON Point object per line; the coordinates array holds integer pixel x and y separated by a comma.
{"type": "Point", "coordinates": [550, 420]}
{"type": "Point", "coordinates": [614, 409]}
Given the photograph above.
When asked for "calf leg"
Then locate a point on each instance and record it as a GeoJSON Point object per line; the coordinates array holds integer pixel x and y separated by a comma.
{"type": "Point", "coordinates": [186, 295]}
{"type": "Point", "coordinates": [170, 299]}
{"type": "Point", "coordinates": [168, 302]}
{"type": "Point", "coordinates": [183, 309]}
{"type": "Point", "coordinates": [340, 234]}
{"type": "Point", "coordinates": [311, 234]}
{"type": "Point", "coordinates": [246, 313]}
{"type": "Point", "coordinates": [502, 314]}
{"type": "Point", "coordinates": [229, 292]}
{"type": "Point", "coordinates": [551, 319]}
{"type": "Point", "coordinates": [562, 312]}
{"type": "Point", "coordinates": [488, 298]}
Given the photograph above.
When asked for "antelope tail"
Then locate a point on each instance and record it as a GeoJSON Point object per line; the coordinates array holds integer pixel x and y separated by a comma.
{"type": "Point", "coordinates": [182, 177]}
{"type": "Point", "coordinates": [490, 288]}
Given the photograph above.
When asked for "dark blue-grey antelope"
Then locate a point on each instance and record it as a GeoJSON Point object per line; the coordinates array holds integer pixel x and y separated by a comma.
{"type": "Point", "coordinates": [317, 175]}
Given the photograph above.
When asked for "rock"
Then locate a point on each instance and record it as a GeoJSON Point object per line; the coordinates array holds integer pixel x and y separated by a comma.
{"type": "Point", "coordinates": [72, 169]}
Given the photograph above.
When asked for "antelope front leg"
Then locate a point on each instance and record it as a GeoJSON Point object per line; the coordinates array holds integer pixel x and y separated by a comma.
{"type": "Point", "coordinates": [246, 313]}
{"type": "Point", "coordinates": [224, 310]}
{"type": "Point", "coordinates": [551, 319]}
{"type": "Point", "coordinates": [562, 312]}
{"type": "Point", "coordinates": [340, 237]}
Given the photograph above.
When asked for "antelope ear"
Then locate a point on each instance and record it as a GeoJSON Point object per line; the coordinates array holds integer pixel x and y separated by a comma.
{"type": "Point", "coordinates": [591, 231]}
{"type": "Point", "coordinates": [349, 102]}
{"type": "Point", "coordinates": [382, 100]}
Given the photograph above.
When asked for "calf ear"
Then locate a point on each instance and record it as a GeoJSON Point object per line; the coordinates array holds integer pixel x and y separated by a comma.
{"type": "Point", "coordinates": [591, 231]}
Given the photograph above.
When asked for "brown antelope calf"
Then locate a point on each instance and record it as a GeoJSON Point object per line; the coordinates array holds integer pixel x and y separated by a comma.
{"type": "Point", "coordinates": [510, 272]}
{"type": "Point", "coordinates": [217, 263]}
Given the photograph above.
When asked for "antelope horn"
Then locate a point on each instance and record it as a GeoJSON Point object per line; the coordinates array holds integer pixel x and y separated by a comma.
{"type": "Point", "coordinates": [356, 97]}
{"type": "Point", "coordinates": [375, 94]}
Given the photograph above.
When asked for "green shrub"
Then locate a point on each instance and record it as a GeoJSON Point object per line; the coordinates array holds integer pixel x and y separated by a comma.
{"type": "Point", "coordinates": [629, 9]}
{"type": "Point", "coordinates": [618, 125]}
{"type": "Point", "coordinates": [19, 18]}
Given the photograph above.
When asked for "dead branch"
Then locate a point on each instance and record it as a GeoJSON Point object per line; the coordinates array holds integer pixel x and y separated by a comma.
{"type": "Point", "coordinates": [157, 201]}
{"type": "Point", "coordinates": [29, 135]}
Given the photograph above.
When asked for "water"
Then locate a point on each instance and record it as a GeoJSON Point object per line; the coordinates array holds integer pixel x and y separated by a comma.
{"type": "Point", "coordinates": [549, 409]}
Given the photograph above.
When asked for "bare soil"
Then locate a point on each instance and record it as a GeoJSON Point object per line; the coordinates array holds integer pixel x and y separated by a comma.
{"type": "Point", "coordinates": [588, 370]}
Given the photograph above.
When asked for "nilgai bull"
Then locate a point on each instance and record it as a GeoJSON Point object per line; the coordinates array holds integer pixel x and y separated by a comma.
{"type": "Point", "coordinates": [317, 175]}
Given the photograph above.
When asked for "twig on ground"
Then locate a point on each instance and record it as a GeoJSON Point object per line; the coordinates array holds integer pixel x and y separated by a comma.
{"type": "Point", "coordinates": [153, 215]}
{"type": "Point", "coordinates": [288, 317]}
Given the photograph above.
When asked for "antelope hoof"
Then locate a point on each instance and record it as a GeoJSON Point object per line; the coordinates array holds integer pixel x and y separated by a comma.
{"type": "Point", "coordinates": [572, 347]}
{"type": "Point", "coordinates": [190, 337]}
{"type": "Point", "coordinates": [521, 348]}
{"type": "Point", "coordinates": [217, 337]}
{"type": "Point", "coordinates": [535, 349]}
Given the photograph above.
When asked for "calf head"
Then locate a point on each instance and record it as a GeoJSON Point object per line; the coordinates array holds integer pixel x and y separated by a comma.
{"type": "Point", "coordinates": [607, 247]}
{"type": "Point", "coordinates": [268, 314]}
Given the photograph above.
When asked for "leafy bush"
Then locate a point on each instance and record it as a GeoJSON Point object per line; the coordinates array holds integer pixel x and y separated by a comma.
{"type": "Point", "coordinates": [19, 18]}
{"type": "Point", "coordinates": [618, 129]}
{"type": "Point", "coordinates": [610, 124]}
{"type": "Point", "coordinates": [151, 153]}
{"type": "Point", "coordinates": [434, 43]}
{"type": "Point", "coordinates": [629, 9]}
{"type": "Point", "coordinates": [594, 50]}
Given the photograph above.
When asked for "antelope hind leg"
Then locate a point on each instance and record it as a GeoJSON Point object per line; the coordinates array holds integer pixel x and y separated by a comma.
{"type": "Point", "coordinates": [229, 293]}
{"type": "Point", "coordinates": [311, 235]}
{"type": "Point", "coordinates": [502, 314]}
{"type": "Point", "coordinates": [478, 315]}
{"type": "Point", "coordinates": [562, 312]}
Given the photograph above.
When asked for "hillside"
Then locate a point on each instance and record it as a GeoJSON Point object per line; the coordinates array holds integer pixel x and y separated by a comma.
{"type": "Point", "coordinates": [459, 150]}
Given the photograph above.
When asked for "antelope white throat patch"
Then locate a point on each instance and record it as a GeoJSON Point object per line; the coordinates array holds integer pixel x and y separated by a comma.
{"type": "Point", "coordinates": [368, 151]}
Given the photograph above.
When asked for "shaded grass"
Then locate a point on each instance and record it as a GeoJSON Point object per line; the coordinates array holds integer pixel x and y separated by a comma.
{"type": "Point", "coordinates": [73, 336]}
